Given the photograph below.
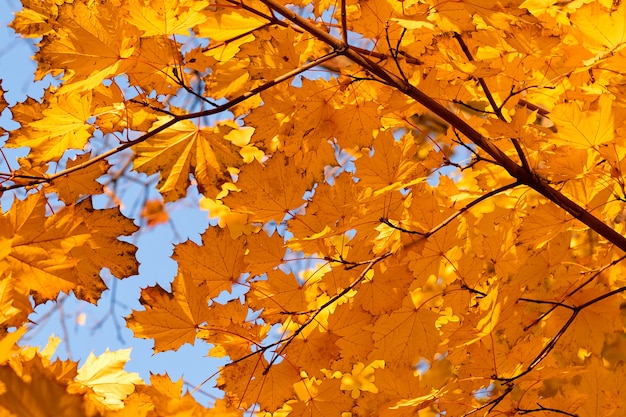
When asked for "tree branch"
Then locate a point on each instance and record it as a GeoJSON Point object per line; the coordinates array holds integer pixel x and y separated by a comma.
{"type": "Point", "coordinates": [175, 119]}
{"type": "Point", "coordinates": [522, 175]}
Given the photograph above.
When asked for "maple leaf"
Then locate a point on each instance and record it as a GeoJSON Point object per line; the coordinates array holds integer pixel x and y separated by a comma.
{"type": "Point", "coordinates": [188, 149]}
{"type": "Point", "coordinates": [105, 375]}
{"type": "Point", "coordinates": [599, 28]}
{"type": "Point", "coordinates": [216, 267]}
{"type": "Point", "coordinates": [604, 389]}
{"type": "Point", "coordinates": [32, 392]}
{"type": "Point", "coordinates": [281, 293]}
{"type": "Point", "coordinates": [589, 129]}
{"type": "Point", "coordinates": [153, 65]}
{"type": "Point", "coordinates": [8, 344]}
{"type": "Point", "coordinates": [170, 17]}
{"type": "Point", "coordinates": [276, 189]}
{"type": "Point", "coordinates": [103, 250]}
{"type": "Point", "coordinates": [89, 44]}
{"type": "Point", "coordinates": [314, 351]}
{"type": "Point", "coordinates": [270, 386]}
{"type": "Point", "coordinates": [171, 319]}
{"type": "Point", "coordinates": [154, 213]}
{"type": "Point", "coordinates": [82, 181]}
{"type": "Point", "coordinates": [318, 397]}
{"type": "Point", "coordinates": [60, 126]}
{"type": "Point", "coordinates": [39, 257]}
{"type": "Point", "coordinates": [163, 397]}
{"type": "Point", "coordinates": [14, 304]}
{"type": "Point", "coordinates": [264, 253]}
{"type": "Point", "coordinates": [230, 331]}
{"type": "Point", "coordinates": [54, 254]}
{"type": "Point", "coordinates": [412, 328]}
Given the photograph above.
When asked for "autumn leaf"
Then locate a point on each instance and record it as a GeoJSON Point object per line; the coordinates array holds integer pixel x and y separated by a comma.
{"type": "Point", "coordinates": [164, 397]}
{"type": "Point", "coordinates": [270, 389]}
{"type": "Point", "coordinates": [154, 213]}
{"type": "Point", "coordinates": [88, 43]}
{"type": "Point", "coordinates": [600, 28]}
{"type": "Point", "coordinates": [39, 258]}
{"type": "Point", "coordinates": [33, 392]}
{"type": "Point", "coordinates": [170, 318]}
{"type": "Point", "coordinates": [215, 267]}
{"type": "Point", "coordinates": [264, 253]}
{"type": "Point", "coordinates": [80, 182]}
{"type": "Point", "coordinates": [230, 24]}
{"type": "Point", "coordinates": [588, 129]}
{"type": "Point", "coordinates": [184, 150]}
{"type": "Point", "coordinates": [168, 18]}
{"type": "Point", "coordinates": [14, 304]}
{"type": "Point", "coordinates": [62, 126]}
{"type": "Point", "coordinates": [105, 375]}
{"type": "Point", "coordinates": [406, 335]}
{"type": "Point", "coordinates": [277, 186]}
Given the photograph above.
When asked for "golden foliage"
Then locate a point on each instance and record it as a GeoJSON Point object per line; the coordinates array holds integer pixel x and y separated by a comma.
{"type": "Point", "coordinates": [420, 205]}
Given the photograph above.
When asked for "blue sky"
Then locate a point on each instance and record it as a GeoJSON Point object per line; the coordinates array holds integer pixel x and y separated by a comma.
{"type": "Point", "coordinates": [104, 327]}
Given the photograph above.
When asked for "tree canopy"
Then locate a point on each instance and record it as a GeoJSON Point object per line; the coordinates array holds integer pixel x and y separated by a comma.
{"type": "Point", "coordinates": [419, 205]}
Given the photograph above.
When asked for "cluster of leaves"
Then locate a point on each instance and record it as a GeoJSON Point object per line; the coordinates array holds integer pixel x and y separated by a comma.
{"type": "Point", "coordinates": [497, 292]}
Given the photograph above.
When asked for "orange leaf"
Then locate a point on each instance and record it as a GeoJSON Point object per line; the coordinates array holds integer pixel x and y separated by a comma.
{"type": "Point", "coordinates": [215, 265]}
{"type": "Point", "coordinates": [170, 318]}
{"type": "Point", "coordinates": [272, 190]}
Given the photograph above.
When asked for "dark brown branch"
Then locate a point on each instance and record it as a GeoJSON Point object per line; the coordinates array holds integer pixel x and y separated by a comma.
{"type": "Point", "coordinates": [394, 51]}
{"type": "Point", "coordinates": [550, 345]}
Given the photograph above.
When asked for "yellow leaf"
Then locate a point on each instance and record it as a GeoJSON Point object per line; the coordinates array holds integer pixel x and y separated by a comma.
{"type": "Point", "coordinates": [39, 258]}
{"type": "Point", "coordinates": [154, 213]}
{"type": "Point", "coordinates": [598, 28]}
{"type": "Point", "coordinates": [89, 45]}
{"type": "Point", "coordinates": [584, 128]}
{"type": "Point", "coordinates": [67, 250]}
{"type": "Point", "coordinates": [14, 304]}
{"type": "Point", "coordinates": [33, 393]}
{"type": "Point", "coordinates": [221, 27]}
{"type": "Point", "coordinates": [170, 318]}
{"type": "Point", "coordinates": [185, 149]}
{"type": "Point", "coordinates": [8, 344]}
{"type": "Point", "coordinates": [361, 378]}
{"type": "Point", "coordinates": [214, 266]}
{"type": "Point", "coordinates": [80, 182]}
{"type": "Point", "coordinates": [166, 17]}
{"type": "Point", "coordinates": [62, 125]}
{"type": "Point", "coordinates": [273, 190]}
{"type": "Point", "coordinates": [105, 375]}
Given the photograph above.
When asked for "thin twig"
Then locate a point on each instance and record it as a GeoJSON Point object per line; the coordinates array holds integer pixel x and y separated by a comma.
{"type": "Point", "coordinates": [556, 304]}
{"type": "Point", "coordinates": [328, 303]}
{"type": "Point", "coordinates": [394, 51]}
{"type": "Point", "coordinates": [344, 22]}
{"type": "Point", "coordinates": [497, 110]}
{"type": "Point", "coordinates": [542, 408]}
{"type": "Point", "coordinates": [462, 210]}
